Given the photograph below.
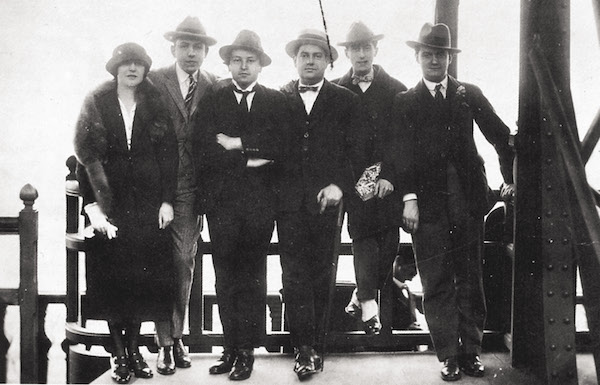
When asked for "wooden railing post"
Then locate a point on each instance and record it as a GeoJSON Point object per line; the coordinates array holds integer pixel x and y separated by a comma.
{"type": "Point", "coordinates": [28, 288]}
{"type": "Point", "coordinates": [4, 345]}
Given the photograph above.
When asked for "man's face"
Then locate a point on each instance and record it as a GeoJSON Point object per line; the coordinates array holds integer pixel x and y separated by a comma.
{"type": "Point", "coordinates": [361, 56]}
{"type": "Point", "coordinates": [130, 73]}
{"type": "Point", "coordinates": [434, 63]}
{"type": "Point", "coordinates": [311, 62]}
{"type": "Point", "coordinates": [244, 67]}
{"type": "Point", "coordinates": [189, 54]}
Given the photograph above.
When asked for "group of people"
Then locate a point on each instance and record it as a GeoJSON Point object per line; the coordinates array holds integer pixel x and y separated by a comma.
{"type": "Point", "coordinates": [159, 149]}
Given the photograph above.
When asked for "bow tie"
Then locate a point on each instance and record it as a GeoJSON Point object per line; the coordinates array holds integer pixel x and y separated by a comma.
{"type": "Point", "coordinates": [303, 89]}
{"type": "Point", "coordinates": [246, 92]}
{"type": "Point", "coordinates": [364, 78]}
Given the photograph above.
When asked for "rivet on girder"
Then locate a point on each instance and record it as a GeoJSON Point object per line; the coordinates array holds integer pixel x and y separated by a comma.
{"type": "Point", "coordinates": [549, 187]}
{"type": "Point", "coordinates": [548, 161]}
{"type": "Point", "coordinates": [565, 267]}
{"type": "Point", "coordinates": [550, 267]}
{"type": "Point", "coordinates": [565, 241]}
{"type": "Point", "coordinates": [565, 214]}
{"type": "Point", "coordinates": [549, 134]}
{"type": "Point", "coordinates": [565, 293]}
{"type": "Point", "coordinates": [550, 293]}
{"type": "Point", "coordinates": [567, 321]}
{"type": "Point", "coordinates": [551, 320]}
{"type": "Point", "coordinates": [568, 348]}
{"type": "Point", "coordinates": [552, 347]}
{"type": "Point", "coordinates": [549, 213]}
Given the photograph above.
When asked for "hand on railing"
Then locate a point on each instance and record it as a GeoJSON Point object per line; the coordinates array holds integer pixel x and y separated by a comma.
{"type": "Point", "coordinates": [99, 221]}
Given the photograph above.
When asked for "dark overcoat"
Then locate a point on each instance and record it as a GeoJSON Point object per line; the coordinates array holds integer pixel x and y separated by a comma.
{"type": "Point", "coordinates": [368, 141]}
{"type": "Point", "coordinates": [127, 277]}
{"type": "Point", "coordinates": [223, 175]}
{"type": "Point", "coordinates": [424, 149]}
{"type": "Point", "coordinates": [315, 146]}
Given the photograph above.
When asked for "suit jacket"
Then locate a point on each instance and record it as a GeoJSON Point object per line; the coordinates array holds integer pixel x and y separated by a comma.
{"type": "Point", "coordinates": [129, 184]}
{"type": "Point", "coordinates": [424, 147]}
{"type": "Point", "coordinates": [315, 147]}
{"type": "Point", "coordinates": [368, 141]}
{"type": "Point", "coordinates": [166, 81]}
{"type": "Point", "coordinates": [225, 179]}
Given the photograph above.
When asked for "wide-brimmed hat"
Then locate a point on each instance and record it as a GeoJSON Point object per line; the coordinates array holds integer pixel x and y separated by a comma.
{"type": "Point", "coordinates": [359, 33]}
{"type": "Point", "coordinates": [128, 52]}
{"type": "Point", "coordinates": [434, 36]}
{"type": "Point", "coordinates": [190, 28]}
{"type": "Point", "coordinates": [310, 36]}
{"type": "Point", "coordinates": [247, 40]}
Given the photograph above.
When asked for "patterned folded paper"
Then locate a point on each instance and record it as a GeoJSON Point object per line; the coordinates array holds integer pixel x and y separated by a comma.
{"type": "Point", "coordinates": [365, 187]}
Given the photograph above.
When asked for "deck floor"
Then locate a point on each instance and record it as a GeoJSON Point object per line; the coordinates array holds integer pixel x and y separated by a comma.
{"type": "Point", "coordinates": [356, 369]}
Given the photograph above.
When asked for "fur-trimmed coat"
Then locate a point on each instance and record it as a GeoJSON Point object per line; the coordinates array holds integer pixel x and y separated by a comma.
{"type": "Point", "coordinates": [128, 184]}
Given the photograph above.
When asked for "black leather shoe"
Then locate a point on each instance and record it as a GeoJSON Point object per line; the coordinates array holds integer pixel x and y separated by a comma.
{"type": "Point", "coordinates": [471, 365]}
{"type": "Point", "coordinates": [182, 358]}
{"type": "Point", "coordinates": [138, 366]}
{"type": "Point", "coordinates": [120, 373]}
{"type": "Point", "coordinates": [372, 327]}
{"type": "Point", "coordinates": [450, 371]}
{"type": "Point", "coordinates": [243, 365]}
{"type": "Point", "coordinates": [166, 362]}
{"type": "Point", "coordinates": [225, 363]}
{"type": "Point", "coordinates": [308, 362]}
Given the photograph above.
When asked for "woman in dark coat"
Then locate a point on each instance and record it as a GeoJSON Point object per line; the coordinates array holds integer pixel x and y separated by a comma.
{"type": "Point", "coordinates": [127, 150]}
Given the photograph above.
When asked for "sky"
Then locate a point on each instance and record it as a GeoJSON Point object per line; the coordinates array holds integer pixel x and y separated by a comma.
{"type": "Point", "coordinates": [52, 53]}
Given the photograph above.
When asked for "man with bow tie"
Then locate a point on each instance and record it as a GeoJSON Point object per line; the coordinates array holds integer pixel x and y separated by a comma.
{"type": "Point", "coordinates": [443, 183]}
{"type": "Point", "coordinates": [184, 87]}
{"type": "Point", "coordinates": [238, 152]}
{"type": "Point", "coordinates": [373, 224]}
{"type": "Point", "coordinates": [315, 175]}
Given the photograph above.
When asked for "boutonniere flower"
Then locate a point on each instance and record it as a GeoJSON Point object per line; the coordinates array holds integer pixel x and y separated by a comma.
{"type": "Point", "coordinates": [461, 93]}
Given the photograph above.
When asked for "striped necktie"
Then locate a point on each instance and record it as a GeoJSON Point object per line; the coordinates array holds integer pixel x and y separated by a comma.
{"type": "Point", "coordinates": [190, 94]}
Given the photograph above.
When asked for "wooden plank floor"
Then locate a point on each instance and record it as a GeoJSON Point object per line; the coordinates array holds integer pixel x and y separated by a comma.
{"type": "Point", "coordinates": [357, 369]}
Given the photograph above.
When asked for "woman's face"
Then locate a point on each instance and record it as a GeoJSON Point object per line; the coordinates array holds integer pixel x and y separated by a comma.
{"type": "Point", "coordinates": [131, 73]}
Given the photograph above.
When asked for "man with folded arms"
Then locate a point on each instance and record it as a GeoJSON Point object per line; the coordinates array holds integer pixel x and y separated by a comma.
{"type": "Point", "coordinates": [314, 177]}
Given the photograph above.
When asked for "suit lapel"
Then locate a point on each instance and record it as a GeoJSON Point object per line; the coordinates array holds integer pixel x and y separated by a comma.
{"type": "Point", "coordinates": [202, 87]}
{"type": "Point", "coordinates": [172, 85]}
{"type": "Point", "coordinates": [319, 107]}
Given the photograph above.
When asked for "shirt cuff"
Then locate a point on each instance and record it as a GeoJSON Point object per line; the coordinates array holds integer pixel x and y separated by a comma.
{"type": "Point", "coordinates": [409, 197]}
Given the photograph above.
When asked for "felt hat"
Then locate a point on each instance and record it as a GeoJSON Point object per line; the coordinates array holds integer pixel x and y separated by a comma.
{"type": "Point", "coordinates": [434, 36]}
{"type": "Point", "coordinates": [359, 33]}
{"type": "Point", "coordinates": [127, 52]}
{"type": "Point", "coordinates": [247, 40]}
{"type": "Point", "coordinates": [190, 28]}
{"type": "Point", "coordinates": [310, 36]}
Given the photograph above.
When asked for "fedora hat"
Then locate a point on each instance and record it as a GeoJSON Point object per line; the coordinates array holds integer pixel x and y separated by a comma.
{"type": "Point", "coordinates": [190, 28]}
{"type": "Point", "coordinates": [434, 36]}
{"type": "Point", "coordinates": [128, 52]}
{"type": "Point", "coordinates": [247, 40]}
{"type": "Point", "coordinates": [359, 33]}
{"type": "Point", "coordinates": [310, 36]}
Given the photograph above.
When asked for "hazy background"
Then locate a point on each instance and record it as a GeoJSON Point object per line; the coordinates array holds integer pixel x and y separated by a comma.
{"type": "Point", "coordinates": [52, 53]}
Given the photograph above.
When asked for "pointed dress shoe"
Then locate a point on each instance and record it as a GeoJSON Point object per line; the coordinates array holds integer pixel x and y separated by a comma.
{"type": "Point", "coordinates": [372, 327]}
{"type": "Point", "coordinates": [450, 371]}
{"type": "Point", "coordinates": [182, 358]}
{"type": "Point", "coordinates": [165, 364]}
{"type": "Point", "coordinates": [471, 365]}
{"type": "Point", "coordinates": [308, 362]}
{"type": "Point", "coordinates": [120, 373]}
{"type": "Point", "coordinates": [138, 366]}
{"type": "Point", "coordinates": [225, 363]}
{"type": "Point", "coordinates": [243, 365]}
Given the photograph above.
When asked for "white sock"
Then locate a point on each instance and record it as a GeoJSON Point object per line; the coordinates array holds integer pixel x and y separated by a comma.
{"type": "Point", "coordinates": [369, 309]}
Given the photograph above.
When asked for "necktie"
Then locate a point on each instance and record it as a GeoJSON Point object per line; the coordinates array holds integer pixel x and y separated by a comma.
{"type": "Point", "coordinates": [244, 101]}
{"type": "Point", "coordinates": [439, 97]}
{"type": "Point", "coordinates": [303, 89]}
{"type": "Point", "coordinates": [364, 78]}
{"type": "Point", "coordinates": [190, 94]}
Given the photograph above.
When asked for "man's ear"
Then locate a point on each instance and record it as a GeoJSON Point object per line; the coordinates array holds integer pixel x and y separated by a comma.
{"type": "Point", "coordinates": [173, 49]}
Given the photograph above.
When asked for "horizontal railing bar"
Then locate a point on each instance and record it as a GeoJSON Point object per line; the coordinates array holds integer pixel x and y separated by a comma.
{"type": "Point", "coordinates": [9, 225]}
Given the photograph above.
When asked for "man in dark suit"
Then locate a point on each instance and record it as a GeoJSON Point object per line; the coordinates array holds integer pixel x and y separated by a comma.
{"type": "Point", "coordinates": [373, 220]}
{"type": "Point", "coordinates": [442, 180]}
{"type": "Point", "coordinates": [183, 87]}
{"type": "Point", "coordinates": [238, 151]}
{"type": "Point", "coordinates": [314, 176]}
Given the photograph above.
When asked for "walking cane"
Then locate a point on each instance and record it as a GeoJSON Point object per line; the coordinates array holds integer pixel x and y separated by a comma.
{"type": "Point", "coordinates": [332, 282]}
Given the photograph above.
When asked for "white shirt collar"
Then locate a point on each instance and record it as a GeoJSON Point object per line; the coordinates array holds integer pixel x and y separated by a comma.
{"type": "Point", "coordinates": [183, 76]}
{"type": "Point", "coordinates": [431, 85]}
{"type": "Point", "coordinates": [249, 88]}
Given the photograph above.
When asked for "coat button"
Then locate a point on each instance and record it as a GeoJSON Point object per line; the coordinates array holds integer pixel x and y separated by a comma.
{"type": "Point", "coordinates": [307, 123]}
{"type": "Point", "coordinates": [306, 135]}
{"type": "Point", "coordinates": [304, 148]}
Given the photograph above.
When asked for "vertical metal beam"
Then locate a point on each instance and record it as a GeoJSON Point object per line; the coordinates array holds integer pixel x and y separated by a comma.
{"type": "Point", "coordinates": [543, 299]}
{"type": "Point", "coordinates": [446, 11]}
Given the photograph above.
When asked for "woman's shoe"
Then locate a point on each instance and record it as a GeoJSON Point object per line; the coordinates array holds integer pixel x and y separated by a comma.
{"type": "Point", "coordinates": [138, 366]}
{"type": "Point", "coordinates": [120, 373]}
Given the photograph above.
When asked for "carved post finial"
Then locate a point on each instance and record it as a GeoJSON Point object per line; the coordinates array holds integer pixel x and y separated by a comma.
{"type": "Point", "coordinates": [28, 195]}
